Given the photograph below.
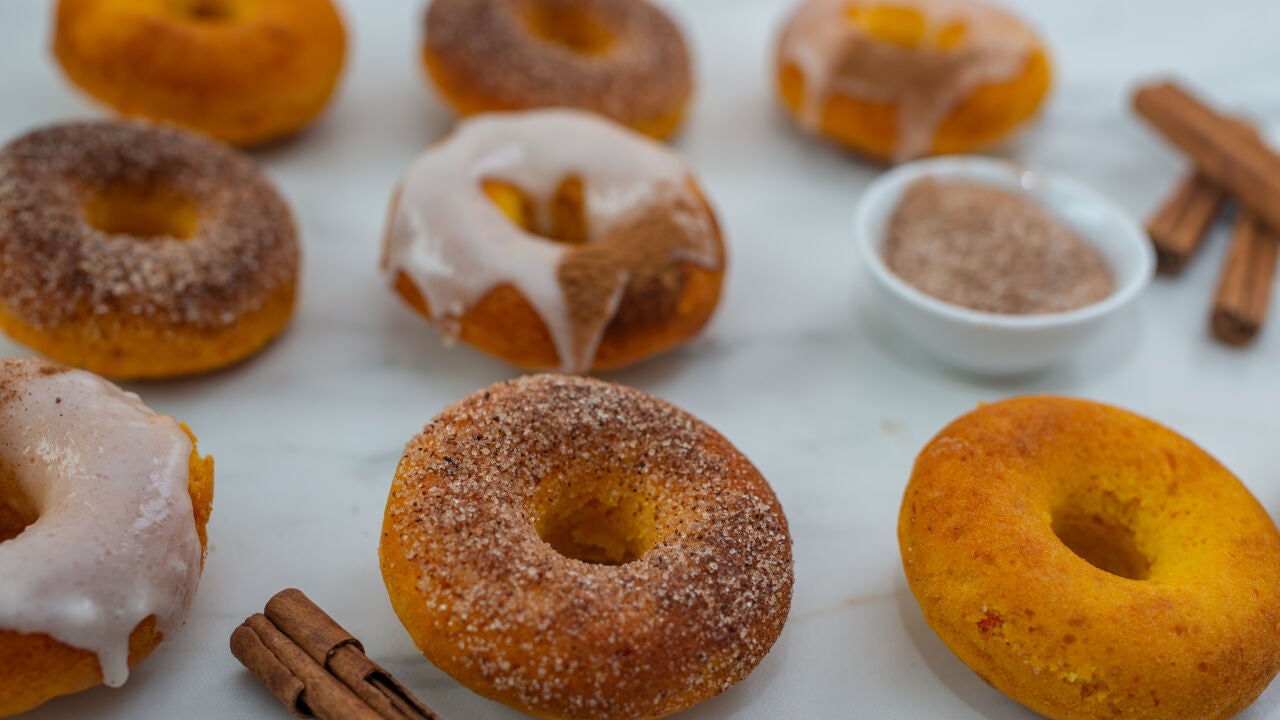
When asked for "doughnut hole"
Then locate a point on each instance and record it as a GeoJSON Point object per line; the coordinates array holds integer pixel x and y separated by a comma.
{"type": "Point", "coordinates": [206, 11]}
{"type": "Point", "coordinates": [605, 520]}
{"type": "Point", "coordinates": [570, 26]}
{"type": "Point", "coordinates": [1102, 539]}
{"type": "Point", "coordinates": [564, 220]}
{"type": "Point", "coordinates": [16, 509]}
{"type": "Point", "coordinates": [141, 212]}
{"type": "Point", "coordinates": [951, 36]}
{"type": "Point", "coordinates": [905, 26]}
{"type": "Point", "coordinates": [889, 23]}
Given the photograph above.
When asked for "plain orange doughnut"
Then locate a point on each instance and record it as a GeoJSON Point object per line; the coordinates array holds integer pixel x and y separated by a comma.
{"type": "Point", "coordinates": [1092, 564]}
{"type": "Point", "coordinates": [243, 71]}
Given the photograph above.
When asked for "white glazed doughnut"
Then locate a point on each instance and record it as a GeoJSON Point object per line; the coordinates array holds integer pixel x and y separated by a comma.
{"type": "Point", "coordinates": [647, 234]}
{"type": "Point", "coordinates": [109, 535]}
{"type": "Point", "coordinates": [900, 79]}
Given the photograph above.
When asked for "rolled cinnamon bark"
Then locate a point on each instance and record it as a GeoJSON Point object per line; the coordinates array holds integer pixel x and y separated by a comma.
{"type": "Point", "coordinates": [309, 626]}
{"type": "Point", "coordinates": [318, 669]}
{"type": "Point", "coordinates": [329, 644]}
{"type": "Point", "coordinates": [1179, 227]}
{"type": "Point", "coordinates": [1238, 163]}
{"type": "Point", "coordinates": [323, 696]}
{"type": "Point", "coordinates": [1244, 290]}
{"type": "Point", "coordinates": [249, 650]}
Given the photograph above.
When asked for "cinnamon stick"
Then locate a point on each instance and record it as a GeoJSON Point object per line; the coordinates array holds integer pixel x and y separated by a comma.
{"type": "Point", "coordinates": [1244, 290]}
{"type": "Point", "coordinates": [1242, 165]}
{"type": "Point", "coordinates": [329, 644]}
{"type": "Point", "coordinates": [323, 696]}
{"type": "Point", "coordinates": [1179, 227]}
{"type": "Point", "coordinates": [318, 669]}
{"type": "Point", "coordinates": [309, 626]}
{"type": "Point", "coordinates": [249, 650]}
{"type": "Point", "coordinates": [377, 687]}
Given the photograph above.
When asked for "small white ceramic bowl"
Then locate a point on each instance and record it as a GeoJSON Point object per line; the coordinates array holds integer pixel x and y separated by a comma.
{"type": "Point", "coordinates": [992, 343]}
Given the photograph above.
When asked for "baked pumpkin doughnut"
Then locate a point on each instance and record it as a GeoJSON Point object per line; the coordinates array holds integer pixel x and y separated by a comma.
{"type": "Point", "coordinates": [624, 59]}
{"type": "Point", "coordinates": [555, 239]}
{"type": "Point", "coordinates": [1092, 564]}
{"type": "Point", "coordinates": [103, 506]}
{"type": "Point", "coordinates": [243, 71]}
{"type": "Point", "coordinates": [141, 252]}
{"type": "Point", "coordinates": [904, 78]}
{"type": "Point", "coordinates": [578, 549]}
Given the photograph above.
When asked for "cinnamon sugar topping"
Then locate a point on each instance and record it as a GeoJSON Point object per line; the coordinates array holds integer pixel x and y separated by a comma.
{"type": "Point", "coordinates": [55, 267]}
{"type": "Point", "coordinates": [489, 47]}
{"type": "Point", "coordinates": [992, 250]}
{"type": "Point", "coordinates": [558, 636]}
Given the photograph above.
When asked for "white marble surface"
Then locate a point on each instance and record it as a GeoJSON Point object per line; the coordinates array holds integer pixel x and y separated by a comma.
{"type": "Point", "coordinates": [798, 368]}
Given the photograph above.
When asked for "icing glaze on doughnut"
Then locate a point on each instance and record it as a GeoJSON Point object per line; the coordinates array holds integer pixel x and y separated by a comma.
{"type": "Point", "coordinates": [456, 246]}
{"type": "Point", "coordinates": [114, 535]}
{"type": "Point", "coordinates": [924, 80]}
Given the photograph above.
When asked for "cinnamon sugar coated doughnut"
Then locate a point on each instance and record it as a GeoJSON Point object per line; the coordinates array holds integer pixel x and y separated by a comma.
{"type": "Point", "coordinates": [624, 59]}
{"type": "Point", "coordinates": [1093, 564]}
{"type": "Point", "coordinates": [897, 80]}
{"type": "Point", "coordinates": [137, 251]}
{"type": "Point", "coordinates": [243, 71]}
{"type": "Point", "coordinates": [103, 506]}
{"type": "Point", "coordinates": [578, 549]}
{"type": "Point", "coordinates": [555, 239]}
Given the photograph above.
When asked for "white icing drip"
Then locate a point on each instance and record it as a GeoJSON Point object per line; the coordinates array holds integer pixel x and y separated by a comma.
{"type": "Point", "coordinates": [836, 57]}
{"type": "Point", "coordinates": [456, 246]}
{"type": "Point", "coordinates": [115, 540]}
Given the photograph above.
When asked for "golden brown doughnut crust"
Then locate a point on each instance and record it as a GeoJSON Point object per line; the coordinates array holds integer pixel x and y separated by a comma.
{"type": "Point", "coordinates": [126, 306]}
{"type": "Point", "coordinates": [704, 583]}
{"type": "Point", "coordinates": [483, 56]}
{"type": "Point", "coordinates": [35, 667]}
{"type": "Point", "coordinates": [1185, 625]}
{"type": "Point", "coordinates": [242, 71]}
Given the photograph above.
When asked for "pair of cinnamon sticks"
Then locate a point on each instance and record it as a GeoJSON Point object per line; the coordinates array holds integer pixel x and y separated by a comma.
{"type": "Point", "coordinates": [318, 669]}
{"type": "Point", "coordinates": [1232, 162]}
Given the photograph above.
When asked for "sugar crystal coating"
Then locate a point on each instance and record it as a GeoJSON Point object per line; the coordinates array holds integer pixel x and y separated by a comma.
{"type": "Point", "coordinates": [56, 268]}
{"type": "Point", "coordinates": [515, 620]}
{"type": "Point", "coordinates": [992, 250]}
{"type": "Point", "coordinates": [643, 76]}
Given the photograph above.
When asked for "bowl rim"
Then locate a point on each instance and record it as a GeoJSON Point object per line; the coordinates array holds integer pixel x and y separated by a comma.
{"type": "Point", "coordinates": [888, 188]}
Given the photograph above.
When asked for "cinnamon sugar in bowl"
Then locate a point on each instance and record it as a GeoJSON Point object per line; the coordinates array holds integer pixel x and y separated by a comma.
{"type": "Point", "coordinates": [1048, 275]}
